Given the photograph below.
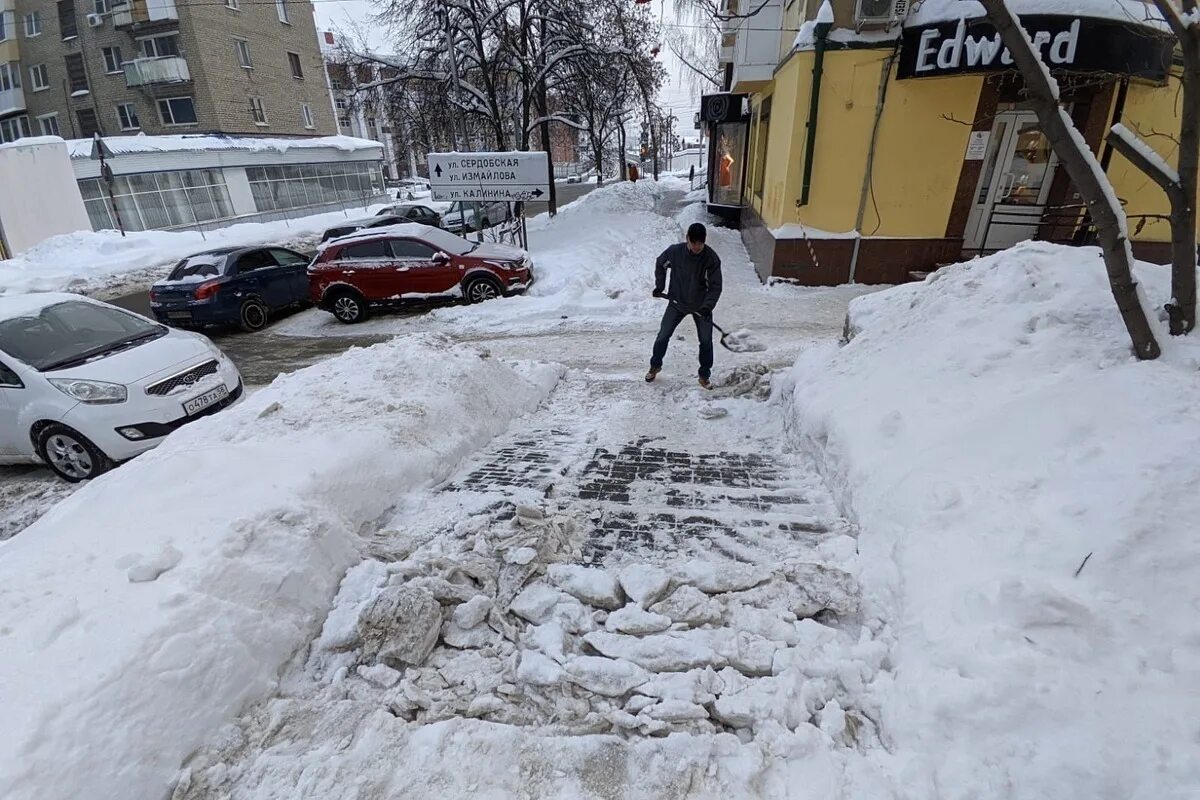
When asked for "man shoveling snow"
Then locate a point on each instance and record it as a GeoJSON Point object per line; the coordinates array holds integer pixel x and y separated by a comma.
{"type": "Point", "coordinates": [695, 289]}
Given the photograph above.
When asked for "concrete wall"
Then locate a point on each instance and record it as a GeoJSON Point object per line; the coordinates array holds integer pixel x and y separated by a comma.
{"type": "Point", "coordinates": [48, 201]}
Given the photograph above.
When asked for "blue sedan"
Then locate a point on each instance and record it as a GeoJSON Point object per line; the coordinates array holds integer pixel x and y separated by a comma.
{"type": "Point", "coordinates": [239, 286]}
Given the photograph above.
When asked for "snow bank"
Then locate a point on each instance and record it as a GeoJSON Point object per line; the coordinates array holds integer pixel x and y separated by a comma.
{"type": "Point", "coordinates": [144, 611]}
{"type": "Point", "coordinates": [91, 261]}
{"type": "Point", "coordinates": [1028, 503]}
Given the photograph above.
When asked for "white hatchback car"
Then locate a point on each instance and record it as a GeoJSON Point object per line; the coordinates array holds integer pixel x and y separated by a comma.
{"type": "Point", "coordinates": [85, 385]}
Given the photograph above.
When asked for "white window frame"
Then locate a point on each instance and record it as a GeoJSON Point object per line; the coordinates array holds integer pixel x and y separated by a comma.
{"type": "Point", "coordinates": [281, 11]}
{"type": "Point", "coordinates": [43, 119]}
{"type": "Point", "coordinates": [142, 44]}
{"type": "Point", "coordinates": [34, 72]}
{"type": "Point", "coordinates": [11, 79]}
{"type": "Point", "coordinates": [232, 5]}
{"type": "Point", "coordinates": [297, 64]}
{"type": "Point", "coordinates": [306, 116]}
{"type": "Point", "coordinates": [241, 49]}
{"type": "Point", "coordinates": [100, 7]}
{"type": "Point", "coordinates": [121, 122]}
{"type": "Point", "coordinates": [36, 18]}
{"type": "Point", "coordinates": [258, 112]}
{"type": "Point", "coordinates": [104, 51]}
{"type": "Point", "coordinates": [158, 105]}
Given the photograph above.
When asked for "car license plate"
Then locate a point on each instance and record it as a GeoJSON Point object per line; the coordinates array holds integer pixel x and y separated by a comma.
{"type": "Point", "coordinates": [179, 315]}
{"type": "Point", "coordinates": [200, 402]}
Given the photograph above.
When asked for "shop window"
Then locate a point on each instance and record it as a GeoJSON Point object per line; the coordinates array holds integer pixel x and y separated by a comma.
{"type": "Point", "coordinates": [152, 201]}
{"type": "Point", "coordinates": [729, 180]}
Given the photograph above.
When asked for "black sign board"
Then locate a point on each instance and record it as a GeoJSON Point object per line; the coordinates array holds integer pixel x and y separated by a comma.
{"type": "Point", "coordinates": [1074, 44]}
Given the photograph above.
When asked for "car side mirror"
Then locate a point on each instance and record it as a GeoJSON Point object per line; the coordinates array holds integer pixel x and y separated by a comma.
{"type": "Point", "coordinates": [440, 258]}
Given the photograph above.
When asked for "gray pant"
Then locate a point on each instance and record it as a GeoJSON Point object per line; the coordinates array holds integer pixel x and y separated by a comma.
{"type": "Point", "coordinates": [704, 332]}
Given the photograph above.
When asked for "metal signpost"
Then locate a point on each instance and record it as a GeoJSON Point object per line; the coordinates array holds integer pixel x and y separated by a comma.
{"type": "Point", "coordinates": [515, 177]}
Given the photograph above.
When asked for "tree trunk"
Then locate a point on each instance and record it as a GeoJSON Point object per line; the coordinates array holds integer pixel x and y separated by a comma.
{"type": "Point", "coordinates": [624, 171]}
{"type": "Point", "coordinates": [1087, 176]}
{"type": "Point", "coordinates": [543, 110]}
{"type": "Point", "coordinates": [1182, 312]}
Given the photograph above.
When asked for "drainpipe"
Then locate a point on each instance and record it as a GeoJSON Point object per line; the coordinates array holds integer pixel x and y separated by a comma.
{"type": "Point", "coordinates": [824, 25]}
{"type": "Point", "coordinates": [884, 79]}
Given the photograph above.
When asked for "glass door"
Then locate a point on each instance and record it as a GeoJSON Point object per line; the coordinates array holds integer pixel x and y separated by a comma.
{"type": "Point", "coordinates": [1013, 185]}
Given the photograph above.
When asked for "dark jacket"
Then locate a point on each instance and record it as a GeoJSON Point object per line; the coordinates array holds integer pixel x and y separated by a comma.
{"type": "Point", "coordinates": [695, 279]}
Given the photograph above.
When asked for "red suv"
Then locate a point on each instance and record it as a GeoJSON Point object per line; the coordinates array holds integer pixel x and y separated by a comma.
{"type": "Point", "coordinates": [383, 267]}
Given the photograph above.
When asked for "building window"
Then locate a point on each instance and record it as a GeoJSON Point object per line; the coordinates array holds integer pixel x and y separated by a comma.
{"type": "Point", "coordinates": [100, 7]}
{"type": "Point", "coordinates": [112, 60]}
{"type": "Point", "coordinates": [161, 46]}
{"type": "Point", "coordinates": [39, 78]}
{"type": "Point", "coordinates": [49, 124]}
{"type": "Point", "coordinates": [127, 116]}
{"type": "Point", "coordinates": [343, 122]}
{"type": "Point", "coordinates": [306, 114]}
{"type": "Point", "coordinates": [89, 124]}
{"type": "Point", "coordinates": [258, 111]}
{"type": "Point", "coordinates": [33, 24]}
{"type": "Point", "coordinates": [762, 133]}
{"type": "Point", "coordinates": [177, 111]}
{"type": "Point", "coordinates": [372, 131]}
{"type": "Point", "coordinates": [8, 26]}
{"type": "Point", "coordinates": [66, 19]}
{"type": "Point", "coordinates": [282, 11]}
{"type": "Point", "coordinates": [340, 104]}
{"type": "Point", "coordinates": [14, 128]}
{"type": "Point", "coordinates": [297, 186]}
{"type": "Point", "coordinates": [242, 49]}
{"type": "Point", "coordinates": [158, 200]}
{"type": "Point", "coordinates": [294, 60]}
{"type": "Point", "coordinates": [76, 75]}
{"type": "Point", "coordinates": [10, 77]}
{"type": "Point", "coordinates": [233, 5]}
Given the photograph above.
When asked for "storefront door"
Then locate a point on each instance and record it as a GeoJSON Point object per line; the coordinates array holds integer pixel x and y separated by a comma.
{"type": "Point", "coordinates": [1014, 183]}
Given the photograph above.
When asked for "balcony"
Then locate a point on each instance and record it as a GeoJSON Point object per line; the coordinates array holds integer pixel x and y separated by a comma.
{"type": "Point", "coordinates": [756, 47]}
{"type": "Point", "coordinates": [156, 71]}
{"type": "Point", "coordinates": [728, 45]}
{"type": "Point", "coordinates": [143, 12]}
{"type": "Point", "coordinates": [12, 100]}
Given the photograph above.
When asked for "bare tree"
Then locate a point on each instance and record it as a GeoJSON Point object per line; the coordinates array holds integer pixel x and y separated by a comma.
{"type": "Point", "coordinates": [1179, 184]}
{"type": "Point", "coordinates": [1086, 174]}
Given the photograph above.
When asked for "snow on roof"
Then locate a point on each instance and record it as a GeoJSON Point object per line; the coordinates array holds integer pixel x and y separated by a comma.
{"type": "Point", "coordinates": [124, 145]}
{"type": "Point", "coordinates": [31, 140]}
{"type": "Point", "coordinates": [1132, 11]}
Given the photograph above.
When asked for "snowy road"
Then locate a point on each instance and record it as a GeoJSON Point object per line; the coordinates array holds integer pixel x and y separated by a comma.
{"type": "Point", "coordinates": [698, 580]}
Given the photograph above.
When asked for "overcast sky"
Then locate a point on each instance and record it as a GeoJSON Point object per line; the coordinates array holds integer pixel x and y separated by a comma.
{"type": "Point", "coordinates": [354, 15]}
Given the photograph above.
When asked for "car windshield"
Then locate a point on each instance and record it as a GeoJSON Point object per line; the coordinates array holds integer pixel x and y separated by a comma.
{"type": "Point", "coordinates": [445, 240]}
{"type": "Point", "coordinates": [197, 268]}
{"type": "Point", "coordinates": [72, 332]}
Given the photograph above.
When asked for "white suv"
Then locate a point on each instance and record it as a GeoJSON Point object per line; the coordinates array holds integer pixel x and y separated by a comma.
{"type": "Point", "coordinates": [85, 385]}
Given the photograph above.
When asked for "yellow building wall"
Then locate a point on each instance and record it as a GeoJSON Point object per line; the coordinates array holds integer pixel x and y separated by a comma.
{"type": "Point", "coordinates": [919, 151]}
{"type": "Point", "coordinates": [1148, 109]}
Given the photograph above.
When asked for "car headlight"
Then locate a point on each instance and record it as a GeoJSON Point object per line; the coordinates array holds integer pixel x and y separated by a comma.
{"type": "Point", "coordinates": [96, 392]}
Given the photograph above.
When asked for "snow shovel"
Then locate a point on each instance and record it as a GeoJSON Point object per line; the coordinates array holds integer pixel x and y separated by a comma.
{"type": "Point", "coordinates": [739, 341]}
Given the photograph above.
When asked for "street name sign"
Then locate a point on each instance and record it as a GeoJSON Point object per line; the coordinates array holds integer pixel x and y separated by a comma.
{"type": "Point", "coordinates": [481, 177]}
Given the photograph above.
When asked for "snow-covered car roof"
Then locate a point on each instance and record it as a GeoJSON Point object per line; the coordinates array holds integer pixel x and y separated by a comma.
{"type": "Point", "coordinates": [435, 236]}
{"type": "Point", "coordinates": [24, 305]}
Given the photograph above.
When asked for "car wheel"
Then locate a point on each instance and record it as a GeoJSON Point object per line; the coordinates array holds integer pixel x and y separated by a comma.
{"type": "Point", "coordinates": [72, 457]}
{"type": "Point", "coordinates": [480, 290]}
{"type": "Point", "coordinates": [348, 307]}
{"type": "Point", "coordinates": [252, 316]}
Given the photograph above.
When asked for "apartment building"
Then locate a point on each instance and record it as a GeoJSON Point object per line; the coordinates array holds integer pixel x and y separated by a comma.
{"type": "Point", "coordinates": [74, 68]}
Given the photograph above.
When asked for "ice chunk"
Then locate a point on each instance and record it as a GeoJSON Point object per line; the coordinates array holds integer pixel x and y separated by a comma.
{"type": "Point", "coordinates": [538, 670]}
{"type": "Point", "coordinates": [457, 636]}
{"type": "Point", "coordinates": [149, 568]}
{"type": "Point", "coordinates": [400, 625]}
{"type": "Point", "coordinates": [716, 577]}
{"type": "Point", "coordinates": [635, 620]}
{"type": "Point", "coordinates": [380, 675]}
{"type": "Point", "coordinates": [644, 584]}
{"type": "Point", "coordinates": [663, 652]}
{"type": "Point", "coordinates": [689, 605]}
{"type": "Point", "coordinates": [535, 602]}
{"type": "Point", "coordinates": [778, 625]}
{"type": "Point", "coordinates": [340, 631]}
{"type": "Point", "coordinates": [676, 711]}
{"type": "Point", "coordinates": [521, 555]}
{"type": "Point", "coordinates": [549, 638]}
{"type": "Point", "coordinates": [473, 612]}
{"type": "Point", "coordinates": [826, 587]}
{"type": "Point", "coordinates": [593, 586]}
{"type": "Point", "coordinates": [606, 676]}
{"type": "Point", "coordinates": [700, 686]}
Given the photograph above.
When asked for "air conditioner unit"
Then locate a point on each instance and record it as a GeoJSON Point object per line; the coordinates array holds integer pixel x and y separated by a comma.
{"type": "Point", "coordinates": [880, 12]}
{"type": "Point", "coordinates": [95, 20]}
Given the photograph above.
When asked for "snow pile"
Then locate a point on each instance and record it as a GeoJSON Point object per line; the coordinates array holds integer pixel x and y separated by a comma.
{"type": "Point", "coordinates": [1027, 498]}
{"type": "Point", "coordinates": [143, 612]}
{"type": "Point", "coordinates": [451, 666]}
{"type": "Point", "coordinates": [593, 262]}
{"type": "Point", "coordinates": [92, 261]}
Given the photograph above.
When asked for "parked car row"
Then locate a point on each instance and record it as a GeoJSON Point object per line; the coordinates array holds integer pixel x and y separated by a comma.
{"type": "Point", "coordinates": [85, 385]}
